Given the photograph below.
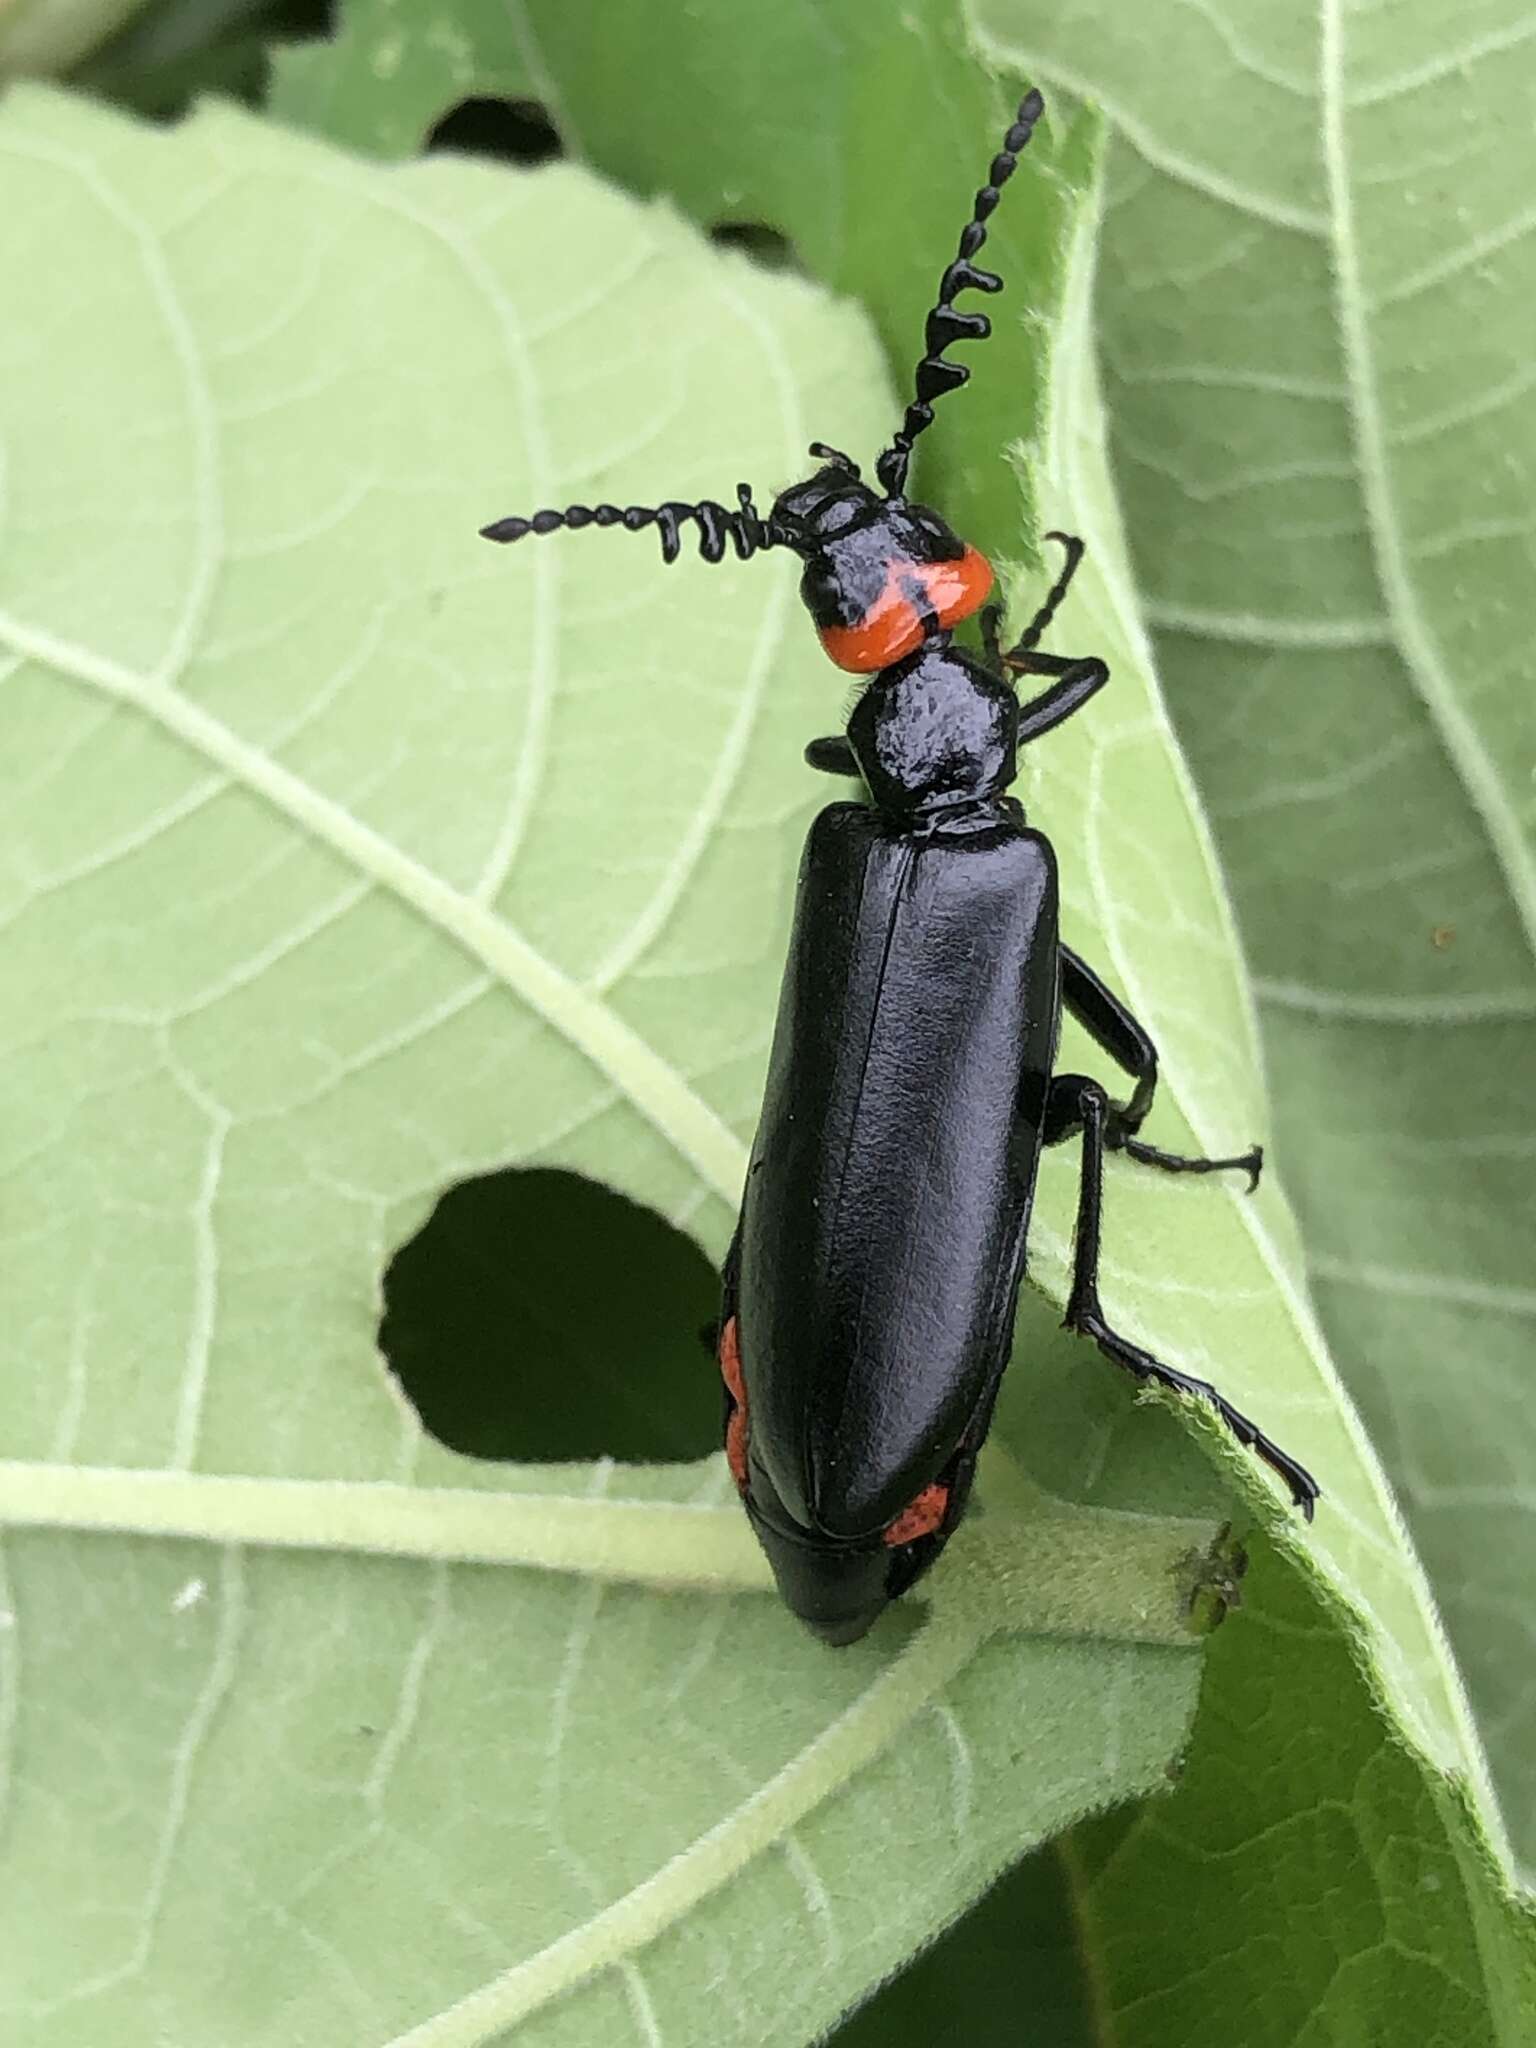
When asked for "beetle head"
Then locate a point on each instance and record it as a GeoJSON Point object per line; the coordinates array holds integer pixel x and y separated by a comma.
{"type": "Point", "coordinates": [880, 575]}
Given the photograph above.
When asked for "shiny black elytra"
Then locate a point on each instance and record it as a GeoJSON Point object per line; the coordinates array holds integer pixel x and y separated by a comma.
{"type": "Point", "coordinates": [870, 1289]}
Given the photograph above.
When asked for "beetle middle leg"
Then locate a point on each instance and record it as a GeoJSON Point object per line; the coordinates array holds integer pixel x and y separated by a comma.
{"type": "Point", "coordinates": [1078, 1103]}
{"type": "Point", "coordinates": [1118, 1032]}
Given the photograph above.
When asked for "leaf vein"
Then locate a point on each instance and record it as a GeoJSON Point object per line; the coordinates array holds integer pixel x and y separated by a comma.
{"type": "Point", "coordinates": [658, 1090]}
{"type": "Point", "coordinates": [1421, 659]}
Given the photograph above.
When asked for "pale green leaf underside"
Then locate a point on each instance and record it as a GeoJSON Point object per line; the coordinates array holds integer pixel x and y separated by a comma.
{"type": "Point", "coordinates": [346, 857]}
{"type": "Point", "coordinates": [1318, 275]}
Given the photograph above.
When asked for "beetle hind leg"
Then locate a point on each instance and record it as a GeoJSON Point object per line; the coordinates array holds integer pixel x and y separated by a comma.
{"type": "Point", "coordinates": [1080, 1104]}
{"type": "Point", "coordinates": [1304, 1489]}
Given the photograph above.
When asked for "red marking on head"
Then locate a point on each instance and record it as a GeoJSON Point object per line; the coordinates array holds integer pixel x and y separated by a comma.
{"type": "Point", "coordinates": [736, 1428]}
{"type": "Point", "coordinates": [920, 1517]}
{"type": "Point", "coordinates": [891, 628]}
{"type": "Point", "coordinates": [894, 626]}
{"type": "Point", "coordinates": [956, 589]}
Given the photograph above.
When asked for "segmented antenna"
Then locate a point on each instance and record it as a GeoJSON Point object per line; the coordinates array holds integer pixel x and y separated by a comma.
{"type": "Point", "coordinates": [935, 373]}
{"type": "Point", "coordinates": [745, 528]}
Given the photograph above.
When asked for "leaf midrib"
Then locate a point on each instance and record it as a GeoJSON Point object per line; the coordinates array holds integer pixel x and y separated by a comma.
{"type": "Point", "coordinates": [861, 1733]}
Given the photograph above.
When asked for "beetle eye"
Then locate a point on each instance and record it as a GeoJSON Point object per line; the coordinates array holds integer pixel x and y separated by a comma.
{"type": "Point", "coordinates": [820, 591]}
{"type": "Point", "coordinates": [933, 528]}
{"type": "Point", "coordinates": [836, 515]}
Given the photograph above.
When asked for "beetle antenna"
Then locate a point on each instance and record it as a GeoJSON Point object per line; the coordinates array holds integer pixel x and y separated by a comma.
{"type": "Point", "coordinates": [835, 456]}
{"type": "Point", "coordinates": [935, 373]}
{"type": "Point", "coordinates": [745, 528]}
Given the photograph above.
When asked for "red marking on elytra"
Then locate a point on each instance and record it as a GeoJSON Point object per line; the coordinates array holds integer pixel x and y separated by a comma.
{"type": "Point", "coordinates": [736, 1428]}
{"type": "Point", "coordinates": [920, 1517]}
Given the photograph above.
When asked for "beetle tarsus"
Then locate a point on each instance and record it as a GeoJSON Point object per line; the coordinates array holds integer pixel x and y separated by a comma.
{"type": "Point", "coordinates": [1089, 1322]}
{"type": "Point", "coordinates": [1034, 632]}
{"type": "Point", "coordinates": [1085, 1104]}
{"type": "Point", "coordinates": [1021, 659]}
{"type": "Point", "coordinates": [1250, 1162]}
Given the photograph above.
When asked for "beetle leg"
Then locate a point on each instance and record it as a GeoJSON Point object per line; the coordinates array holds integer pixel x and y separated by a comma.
{"type": "Point", "coordinates": [833, 755]}
{"type": "Point", "coordinates": [1075, 678]}
{"type": "Point", "coordinates": [991, 644]}
{"type": "Point", "coordinates": [1084, 1104]}
{"type": "Point", "coordinates": [1078, 679]}
{"type": "Point", "coordinates": [1250, 1162]}
{"type": "Point", "coordinates": [1035, 630]}
{"type": "Point", "coordinates": [1116, 1030]}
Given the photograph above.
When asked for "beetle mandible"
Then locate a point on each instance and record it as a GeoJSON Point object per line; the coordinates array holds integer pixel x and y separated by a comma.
{"type": "Point", "coordinates": [870, 1289]}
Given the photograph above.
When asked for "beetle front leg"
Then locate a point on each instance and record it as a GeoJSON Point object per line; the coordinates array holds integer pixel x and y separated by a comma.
{"type": "Point", "coordinates": [1117, 1031]}
{"type": "Point", "coordinates": [1074, 678]}
{"type": "Point", "coordinates": [1034, 632]}
{"type": "Point", "coordinates": [833, 755]}
{"type": "Point", "coordinates": [991, 636]}
{"type": "Point", "coordinates": [1077, 678]}
{"type": "Point", "coordinates": [1076, 1103]}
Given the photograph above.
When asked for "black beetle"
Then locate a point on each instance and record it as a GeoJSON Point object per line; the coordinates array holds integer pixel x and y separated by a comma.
{"type": "Point", "coordinates": [870, 1290]}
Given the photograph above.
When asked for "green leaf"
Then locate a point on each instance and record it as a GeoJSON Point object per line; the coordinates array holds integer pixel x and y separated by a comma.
{"type": "Point", "coordinates": [173, 51]}
{"type": "Point", "coordinates": [1302, 1848]}
{"type": "Point", "coordinates": [806, 190]}
{"type": "Point", "coordinates": [44, 36]}
{"type": "Point", "coordinates": [570, 1768]}
{"type": "Point", "coordinates": [345, 857]}
{"type": "Point", "coordinates": [1316, 289]}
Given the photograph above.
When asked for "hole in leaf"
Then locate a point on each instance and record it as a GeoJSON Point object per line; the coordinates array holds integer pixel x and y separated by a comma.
{"type": "Point", "coordinates": [511, 131]}
{"type": "Point", "coordinates": [768, 247]}
{"type": "Point", "coordinates": [536, 1315]}
{"type": "Point", "coordinates": [284, 20]}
